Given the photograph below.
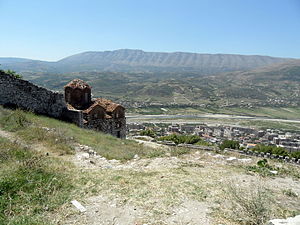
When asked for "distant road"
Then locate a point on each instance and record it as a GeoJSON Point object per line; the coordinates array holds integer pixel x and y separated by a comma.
{"type": "Point", "coordinates": [135, 117]}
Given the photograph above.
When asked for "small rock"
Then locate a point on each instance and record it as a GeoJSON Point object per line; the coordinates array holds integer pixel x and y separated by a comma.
{"type": "Point", "coordinates": [91, 152]}
{"type": "Point", "coordinates": [83, 156]}
{"type": "Point", "coordinates": [231, 158]}
{"type": "Point", "coordinates": [245, 160]}
{"type": "Point", "coordinates": [80, 207]}
{"type": "Point", "coordinates": [289, 221]}
{"type": "Point", "coordinates": [113, 161]}
{"type": "Point", "coordinates": [274, 172]}
{"type": "Point", "coordinates": [108, 166]}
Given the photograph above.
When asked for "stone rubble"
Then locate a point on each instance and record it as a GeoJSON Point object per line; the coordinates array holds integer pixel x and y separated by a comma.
{"type": "Point", "coordinates": [289, 221]}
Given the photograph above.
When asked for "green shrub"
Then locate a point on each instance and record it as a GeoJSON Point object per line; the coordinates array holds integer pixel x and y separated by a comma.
{"type": "Point", "coordinates": [248, 205]}
{"type": "Point", "coordinates": [271, 150]}
{"type": "Point", "coordinates": [230, 144]}
{"type": "Point", "coordinates": [148, 132]}
{"type": "Point", "coordinates": [295, 155]}
{"type": "Point", "coordinates": [13, 73]}
{"type": "Point", "coordinates": [182, 139]}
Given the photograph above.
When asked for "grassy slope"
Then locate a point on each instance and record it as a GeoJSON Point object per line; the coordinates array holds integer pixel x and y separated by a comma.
{"type": "Point", "coordinates": [30, 184]}
{"type": "Point", "coordinates": [64, 134]}
{"type": "Point", "coordinates": [36, 189]}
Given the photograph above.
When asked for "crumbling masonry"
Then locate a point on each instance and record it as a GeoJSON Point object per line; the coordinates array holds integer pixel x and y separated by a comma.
{"type": "Point", "coordinates": [75, 106]}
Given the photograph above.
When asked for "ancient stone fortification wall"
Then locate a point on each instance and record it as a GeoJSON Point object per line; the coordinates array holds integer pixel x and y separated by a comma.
{"type": "Point", "coordinates": [115, 127]}
{"type": "Point", "coordinates": [74, 116]}
{"type": "Point", "coordinates": [27, 96]}
{"type": "Point", "coordinates": [22, 94]}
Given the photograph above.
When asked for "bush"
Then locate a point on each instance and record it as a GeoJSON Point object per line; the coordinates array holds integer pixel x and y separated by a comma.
{"type": "Point", "coordinates": [13, 73]}
{"type": "Point", "coordinates": [181, 139]}
{"type": "Point", "coordinates": [230, 144]}
{"type": "Point", "coordinates": [295, 155]}
{"type": "Point", "coordinates": [148, 132]}
{"type": "Point", "coordinates": [271, 150]}
{"type": "Point", "coordinates": [249, 205]}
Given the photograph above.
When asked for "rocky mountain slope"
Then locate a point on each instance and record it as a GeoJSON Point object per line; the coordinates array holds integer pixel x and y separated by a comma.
{"type": "Point", "coordinates": [127, 60]}
{"type": "Point", "coordinates": [274, 85]}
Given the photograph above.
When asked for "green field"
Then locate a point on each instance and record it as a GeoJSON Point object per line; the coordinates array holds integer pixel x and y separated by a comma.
{"type": "Point", "coordinates": [276, 113]}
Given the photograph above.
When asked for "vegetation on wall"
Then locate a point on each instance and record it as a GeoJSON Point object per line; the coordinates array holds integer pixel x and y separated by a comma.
{"type": "Point", "coordinates": [12, 73]}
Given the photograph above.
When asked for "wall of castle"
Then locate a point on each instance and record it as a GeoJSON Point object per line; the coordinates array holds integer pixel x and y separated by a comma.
{"type": "Point", "coordinates": [25, 95]}
{"type": "Point", "coordinates": [22, 94]}
{"type": "Point", "coordinates": [74, 116]}
{"type": "Point", "coordinates": [113, 126]}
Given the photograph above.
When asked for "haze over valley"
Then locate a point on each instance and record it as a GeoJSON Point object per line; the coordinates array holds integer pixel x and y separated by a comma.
{"type": "Point", "coordinates": [138, 78]}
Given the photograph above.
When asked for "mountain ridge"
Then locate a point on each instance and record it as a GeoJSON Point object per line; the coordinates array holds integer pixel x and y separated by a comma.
{"type": "Point", "coordinates": [130, 60]}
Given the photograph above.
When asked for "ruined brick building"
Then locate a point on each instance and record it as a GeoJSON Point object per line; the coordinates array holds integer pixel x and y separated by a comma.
{"type": "Point", "coordinates": [76, 105]}
{"type": "Point", "coordinates": [99, 114]}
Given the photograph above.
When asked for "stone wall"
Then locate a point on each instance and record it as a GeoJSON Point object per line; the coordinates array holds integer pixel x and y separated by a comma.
{"type": "Point", "coordinates": [25, 95]}
{"type": "Point", "coordinates": [74, 116]}
{"type": "Point", "coordinates": [18, 93]}
{"type": "Point", "coordinates": [113, 126]}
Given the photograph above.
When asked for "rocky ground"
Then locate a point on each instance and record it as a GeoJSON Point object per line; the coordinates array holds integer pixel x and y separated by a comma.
{"type": "Point", "coordinates": [201, 187]}
{"type": "Point", "coordinates": [215, 171]}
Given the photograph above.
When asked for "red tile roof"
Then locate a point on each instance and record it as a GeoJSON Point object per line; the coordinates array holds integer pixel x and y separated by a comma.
{"type": "Point", "coordinates": [77, 83]}
{"type": "Point", "coordinates": [108, 105]}
{"type": "Point", "coordinates": [89, 109]}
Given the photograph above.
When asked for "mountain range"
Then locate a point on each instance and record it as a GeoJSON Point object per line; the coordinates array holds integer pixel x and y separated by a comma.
{"type": "Point", "coordinates": [127, 60]}
{"type": "Point", "coordinates": [135, 77]}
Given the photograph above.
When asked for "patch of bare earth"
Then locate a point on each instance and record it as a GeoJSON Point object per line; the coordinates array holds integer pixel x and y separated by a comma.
{"type": "Point", "coordinates": [189, 189]}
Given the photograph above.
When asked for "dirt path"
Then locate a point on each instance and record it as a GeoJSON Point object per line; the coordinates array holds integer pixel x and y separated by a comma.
{"type": "Point", "coordinates": [8, 135]}
{"type": "Point", "coordinates": [160, 190]}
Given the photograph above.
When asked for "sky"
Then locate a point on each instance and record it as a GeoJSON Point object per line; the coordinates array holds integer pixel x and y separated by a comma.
{"type": "Point", "coordinates": [53, 29]}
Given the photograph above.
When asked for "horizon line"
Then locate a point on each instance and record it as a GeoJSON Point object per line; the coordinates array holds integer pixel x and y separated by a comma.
{"type": "Point", "coordinates": [132, 49]}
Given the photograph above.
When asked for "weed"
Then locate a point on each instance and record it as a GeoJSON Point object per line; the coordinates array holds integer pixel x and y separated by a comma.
{"type": "Point", "coordinates": [29, 186]}
{"type": "Point", "coordinates": [156, 153]}
{"type": "Point", "coordinates": [263, 168]}
{"type": "Point", "coordinates": [55, 140]}
{"type": "Point", "coordinates": [14, 121]}
{"type": "Point", "coordinates": [249, 205]}
{"type": "Point", "coordinates": [290, 193]}
{"type": "Point", "coordinates": [179, 151]}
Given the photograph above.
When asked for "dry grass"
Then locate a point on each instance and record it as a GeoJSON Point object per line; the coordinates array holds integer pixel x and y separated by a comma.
{"type": "Point", "coordinates": [157, 191]}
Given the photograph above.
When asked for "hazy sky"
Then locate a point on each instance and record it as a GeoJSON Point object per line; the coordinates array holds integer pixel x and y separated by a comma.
{"type": "Point", "coordinates": [53, 29]}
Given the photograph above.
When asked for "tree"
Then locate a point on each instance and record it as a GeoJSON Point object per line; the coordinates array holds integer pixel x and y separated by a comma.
{"type": "Point", "coordinates": [14, 74]}
{"type": "Point", "coordinates": [230, 144]}
{"type": "Point", "coordinates": [148, 132]}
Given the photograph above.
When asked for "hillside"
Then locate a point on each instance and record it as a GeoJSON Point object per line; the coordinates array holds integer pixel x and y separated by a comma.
{"type": "Point", "coordinates": [272, 86]}
{"type": "Point", "coordinates": [121, 181]}
{"type": "Point", "coordinates": [138, 78]}
{"type": "Point", "coordinates": [127, 60]}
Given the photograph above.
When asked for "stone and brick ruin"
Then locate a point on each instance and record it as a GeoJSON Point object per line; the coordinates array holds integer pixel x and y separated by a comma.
{"type": "Point", "coordinates": [76, 106]}
{"type": "Point", "coordinates": [99, 114]}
